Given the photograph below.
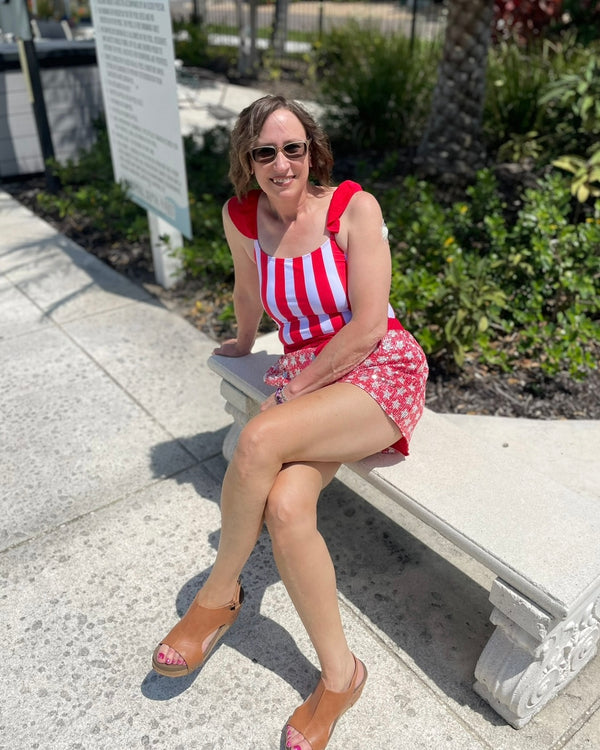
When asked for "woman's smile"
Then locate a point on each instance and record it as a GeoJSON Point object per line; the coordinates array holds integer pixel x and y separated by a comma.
{"type": "Point", "coordinates": [281, 181]}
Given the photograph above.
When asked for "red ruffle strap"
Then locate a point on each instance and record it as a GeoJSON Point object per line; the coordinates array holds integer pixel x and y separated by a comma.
{"type": "Point", "coordinates": [339, 202]}
{"type": "Point", "coordinates": [243, 213]}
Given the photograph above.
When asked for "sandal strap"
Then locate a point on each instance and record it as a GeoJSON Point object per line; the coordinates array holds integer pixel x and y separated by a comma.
{"type": "Point", "coordinates": [197, 624]}
{"type": "Point", "coordinates": [315, 719]}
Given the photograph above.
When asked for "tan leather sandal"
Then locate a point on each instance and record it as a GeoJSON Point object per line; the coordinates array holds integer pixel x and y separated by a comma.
{"type": "Point", "coordinates": [192, 630]}
{"type": "Point", "coordinates": [316, 718]}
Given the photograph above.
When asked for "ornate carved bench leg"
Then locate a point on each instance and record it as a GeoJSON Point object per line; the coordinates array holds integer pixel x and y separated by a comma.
{"type": "Point", "coordinates": [531, 656]}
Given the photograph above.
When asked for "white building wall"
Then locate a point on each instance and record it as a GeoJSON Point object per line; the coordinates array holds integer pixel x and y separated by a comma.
{"type": "Point", "coordinates": [73, 101]}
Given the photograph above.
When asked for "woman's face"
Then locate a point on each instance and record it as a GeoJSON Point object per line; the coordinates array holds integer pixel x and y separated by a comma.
{"type": "Point", "coordinates": [283, 175]}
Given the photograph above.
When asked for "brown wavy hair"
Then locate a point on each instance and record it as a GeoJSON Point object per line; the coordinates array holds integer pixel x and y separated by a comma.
{"type": "Point", "coordinates": [248, 127]}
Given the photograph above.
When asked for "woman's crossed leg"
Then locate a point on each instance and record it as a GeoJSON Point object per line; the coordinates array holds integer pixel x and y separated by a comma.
{"type": "Point", "coordinates": [284, 458]}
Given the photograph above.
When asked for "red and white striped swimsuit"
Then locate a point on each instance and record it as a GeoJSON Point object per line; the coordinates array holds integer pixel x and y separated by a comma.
{"type": "Point", "coordinates": [307, 296]}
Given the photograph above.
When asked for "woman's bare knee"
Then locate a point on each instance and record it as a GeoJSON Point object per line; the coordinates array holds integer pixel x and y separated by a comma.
{"type": "Point", "coordinates": [291, 506]}
{"type": "Point", "coordinates": [289, 513]}
{"type": "Point", "coordinates": [256, 448]}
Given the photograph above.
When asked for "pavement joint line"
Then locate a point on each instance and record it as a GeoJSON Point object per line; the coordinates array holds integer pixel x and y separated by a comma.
{"type": "Point", "coordinates": [122, 498]}
{"type": "Point", "coordinates": [46, 314]}
{"type": "Point", "coordinates": [70, 521]}
{"type": "Point", "coordinates": [133, 398]}
{"type": "Point", "coordinates": [119, 385]}
{"type": "Point", "coordinates": [61, 327]}
{"type": "Point", "coordinates": [84, 316]}
{"type": "Point", "coordinates": [577, 725]}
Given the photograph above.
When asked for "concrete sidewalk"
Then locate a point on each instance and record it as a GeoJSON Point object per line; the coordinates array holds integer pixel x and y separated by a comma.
{"type": "Point", "coordinates": [111, 427]}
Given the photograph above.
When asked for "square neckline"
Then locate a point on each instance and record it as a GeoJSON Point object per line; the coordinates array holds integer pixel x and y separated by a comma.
{"type": "Point", "coordinates": [243, 214]}
{"type": "Point", "coordinates": [340, 197]}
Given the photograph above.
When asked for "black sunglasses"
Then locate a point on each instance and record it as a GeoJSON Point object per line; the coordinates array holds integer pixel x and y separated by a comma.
{"type": "Point", "coordinates": [267, 154]}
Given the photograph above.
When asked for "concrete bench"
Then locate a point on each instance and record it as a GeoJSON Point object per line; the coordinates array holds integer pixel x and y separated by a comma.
{"type": "Point", "coordinates": [541, 540]}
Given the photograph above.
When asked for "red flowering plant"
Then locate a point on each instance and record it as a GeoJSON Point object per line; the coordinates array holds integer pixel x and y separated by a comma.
{"type": "Point", "coordinates": [524, 20]}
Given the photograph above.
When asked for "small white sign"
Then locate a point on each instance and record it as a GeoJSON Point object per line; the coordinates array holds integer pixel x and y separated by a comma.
{"type": "Point", "coordinates": [14, 19]}
{"type": "Point", "coordinates": [134, 45]}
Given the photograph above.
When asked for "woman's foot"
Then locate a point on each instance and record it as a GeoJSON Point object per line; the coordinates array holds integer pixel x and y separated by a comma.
{"type": "Point", "coordinates": [312, 723]}
{"type": "Point", "coordinates": [190, 642]}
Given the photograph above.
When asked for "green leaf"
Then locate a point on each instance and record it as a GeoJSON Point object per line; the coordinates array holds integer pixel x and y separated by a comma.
{"type": "Point", "coordinates": [570, 163]}
{"type": "Point", "coordinates": [586, 104]}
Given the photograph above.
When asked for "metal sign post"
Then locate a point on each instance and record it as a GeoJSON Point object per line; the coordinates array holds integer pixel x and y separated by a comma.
{"type": "Point", "coordinates": [164, 241]}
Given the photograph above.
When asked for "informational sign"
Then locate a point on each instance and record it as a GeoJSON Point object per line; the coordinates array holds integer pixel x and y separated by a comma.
{"type": "Point", "coordinates": [14, 19]}
{"type": "Point", "coordinates": [134, 45]}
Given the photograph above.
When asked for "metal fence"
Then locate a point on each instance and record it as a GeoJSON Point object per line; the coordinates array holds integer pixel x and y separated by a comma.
{"type": "Point", "coordinates": [292, 28]}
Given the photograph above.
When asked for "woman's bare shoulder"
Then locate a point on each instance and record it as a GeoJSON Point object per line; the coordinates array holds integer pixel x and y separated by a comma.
{"type": "Point", "coordinates": [364, 203]}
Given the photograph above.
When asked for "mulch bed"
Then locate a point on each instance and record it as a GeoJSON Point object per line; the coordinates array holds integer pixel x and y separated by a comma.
{"type": "Point", "coordinates": [524, 392]}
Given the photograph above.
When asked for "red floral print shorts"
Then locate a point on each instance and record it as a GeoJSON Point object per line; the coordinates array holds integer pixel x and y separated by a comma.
{"type": "Point", "coordinates": [394, 374]}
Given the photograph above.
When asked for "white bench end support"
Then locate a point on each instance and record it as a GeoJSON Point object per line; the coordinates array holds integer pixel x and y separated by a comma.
{"type": "Point", "coordinates": [527, 662]}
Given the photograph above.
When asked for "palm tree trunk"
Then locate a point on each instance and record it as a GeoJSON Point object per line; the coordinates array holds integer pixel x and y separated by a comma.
{"type": "Point", "coordinates": [451, 148]}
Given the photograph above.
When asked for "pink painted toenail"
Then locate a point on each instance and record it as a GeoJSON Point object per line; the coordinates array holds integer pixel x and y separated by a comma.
{"type": "Point", "coordinates": [161, 656]}
{"type": "Point", "coordinates": [168, 661]}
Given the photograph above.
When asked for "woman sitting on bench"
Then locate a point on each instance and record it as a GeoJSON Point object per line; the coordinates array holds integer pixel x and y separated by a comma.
{"type": "Point", "coordinates": [351, 382]}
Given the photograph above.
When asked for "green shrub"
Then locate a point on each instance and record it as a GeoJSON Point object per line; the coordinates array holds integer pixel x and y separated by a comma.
{"type": "Point", "coordinates": [375, 88]}
{"type": "Point", "coordinates": [576, 95]}
{"type": "Point", "coordinates": [443, 287]}
{"type": "Point", "coordinates": [207, 255]}
{"type": "Point", "coordinates": [91, 165]}
{"type": "Point", "coordinates": [542, 101]}
{"type": "Point", "coordinates": [516, 79]}
{"type": "Point", "coordinates": [469, 282]}
{"type": "Point", "coordinates": [552, 273]}
{"type": "Point", "coordinates": [586, 174]}
{"type": "Point", "coordinates": [90, 194]}
{"type": "Point", "coordinates": [191, 44]}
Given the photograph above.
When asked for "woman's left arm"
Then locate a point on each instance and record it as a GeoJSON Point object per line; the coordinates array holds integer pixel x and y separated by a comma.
{"type": "Point", "coordinates": [369, 276]}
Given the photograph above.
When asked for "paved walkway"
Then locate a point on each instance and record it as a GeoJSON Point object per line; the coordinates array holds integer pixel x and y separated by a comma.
{"type": "Point", "coordinates": [110, 432]}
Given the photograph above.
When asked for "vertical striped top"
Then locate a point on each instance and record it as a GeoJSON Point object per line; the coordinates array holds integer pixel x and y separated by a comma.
{"type": "Point", "coordinates": [306, 296]}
